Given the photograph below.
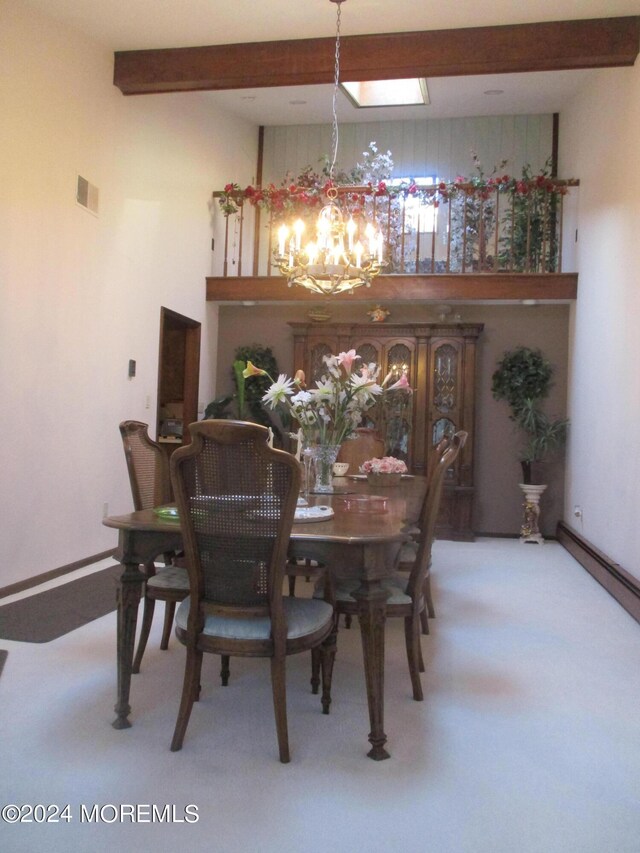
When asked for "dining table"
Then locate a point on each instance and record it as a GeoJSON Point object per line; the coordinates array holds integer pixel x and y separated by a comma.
{"type": "Point", "coordinates": [358, 537]}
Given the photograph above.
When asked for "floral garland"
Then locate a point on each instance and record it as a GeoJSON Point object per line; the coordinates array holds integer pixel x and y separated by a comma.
{"type": "Point", "coordinates": [309, 190]}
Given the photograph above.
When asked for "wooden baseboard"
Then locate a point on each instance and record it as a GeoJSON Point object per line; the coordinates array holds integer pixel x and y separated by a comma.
{"type": "Point", "coordinates": [622, 585]}
{"type": "Point", "coordinates": [489, 535]}
{"type": "Point", "coordinates": [36, 580]}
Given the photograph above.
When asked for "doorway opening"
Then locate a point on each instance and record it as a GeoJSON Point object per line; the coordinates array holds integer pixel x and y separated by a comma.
{"type": "Point", "coordinates": [178, 377]}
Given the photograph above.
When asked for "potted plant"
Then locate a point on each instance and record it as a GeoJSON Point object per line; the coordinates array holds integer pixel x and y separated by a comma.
{"type": "Point", "coordinates": [523, 379]}
{"type": "Point", "coordinates": [530, 239]}
{"type": "Point", "coordinates": [247, 398]}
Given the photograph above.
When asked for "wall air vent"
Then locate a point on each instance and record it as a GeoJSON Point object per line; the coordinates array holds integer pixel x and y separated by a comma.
{"type": "Point", "coordinates": [87, 195]}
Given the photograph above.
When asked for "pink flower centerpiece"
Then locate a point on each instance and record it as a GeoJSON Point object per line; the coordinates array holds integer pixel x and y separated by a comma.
{"type": "Point", "coordinates": [385, 471]}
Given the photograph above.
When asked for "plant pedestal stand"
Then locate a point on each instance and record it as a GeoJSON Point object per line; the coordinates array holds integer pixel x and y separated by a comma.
{"type": "Point", "coordinates": [530, 530]}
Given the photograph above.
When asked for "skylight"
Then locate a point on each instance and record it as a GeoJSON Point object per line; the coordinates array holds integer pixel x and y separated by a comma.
{"type": "Point", "coordinates": [387, 93]}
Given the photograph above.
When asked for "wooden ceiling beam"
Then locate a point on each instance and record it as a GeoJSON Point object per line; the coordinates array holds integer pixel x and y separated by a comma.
{"type": "Point", "coordinates": [548, 46]}
{"type": "Point", "coordinates": [405, 288]}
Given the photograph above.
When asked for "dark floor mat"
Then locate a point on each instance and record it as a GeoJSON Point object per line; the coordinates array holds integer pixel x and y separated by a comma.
{"type": "Point", "coordinates": [44, 617]}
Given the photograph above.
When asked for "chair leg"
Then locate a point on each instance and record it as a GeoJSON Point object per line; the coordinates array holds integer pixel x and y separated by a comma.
{"type": "Point", "coordinates": [327, 657]}
{"type": "Point", "coordinates": [412, 640]}
{"type": "Point", "coordinates": [429, 598]}
{"type": "Point", "coordinates": [317, 661]}
{"type": "Point", "coordinates": [279, 689]}
{"type": "Point", "coordinates": [147, 619]}
{"type": "Point", "coordinates": [292, 585]}
{"type": "Point", "coordinates": [224, 669]}
{"type": "Point", "coordinates": [169, 613]}
{"type": "Point", "coordinates": [315, 669]}
{"type": "Point", "coordinates": [424, 622]}
{"type": "Point", "coordinates": [347, 620]}
{"type": "Point", "coordinates": [190, 691]}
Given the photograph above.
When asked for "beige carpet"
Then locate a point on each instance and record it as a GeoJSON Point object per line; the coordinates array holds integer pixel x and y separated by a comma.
{"type": "Point", "coordinates": [527, 741]}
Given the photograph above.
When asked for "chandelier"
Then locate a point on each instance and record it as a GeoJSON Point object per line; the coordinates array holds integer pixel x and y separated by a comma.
{"type": "Point", "coordinates": [344, 253]}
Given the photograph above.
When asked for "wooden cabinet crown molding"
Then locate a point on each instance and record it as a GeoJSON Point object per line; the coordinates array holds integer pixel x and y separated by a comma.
{"type": "Point", "coordinates": [386, 330]}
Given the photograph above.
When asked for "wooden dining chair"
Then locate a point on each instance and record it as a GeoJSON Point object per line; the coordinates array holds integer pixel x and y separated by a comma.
{"type": "Point", "coordinates": [150, 487]}
{"type": "Point", "coordinates": [406, 594]}
{"type": "Point", "coordinates": [365, 443]}
{"type": "Point", "coordinates": [409, 550]}
{"type": "Point", "coordinates": [236, 500]}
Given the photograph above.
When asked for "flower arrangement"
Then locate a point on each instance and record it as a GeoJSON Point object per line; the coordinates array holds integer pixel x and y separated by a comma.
{"type": "Point", "coordinates": [331, 411]}
{"type": "Point", "coordinates": [386, 465]}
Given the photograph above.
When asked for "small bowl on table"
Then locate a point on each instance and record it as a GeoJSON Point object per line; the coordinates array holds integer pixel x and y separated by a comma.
{"type": "Point", "coordinates": [340, 469]}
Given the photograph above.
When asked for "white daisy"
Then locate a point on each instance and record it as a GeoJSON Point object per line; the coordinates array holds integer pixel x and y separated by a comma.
{"type": "Point", "coordinates": [279, 391]}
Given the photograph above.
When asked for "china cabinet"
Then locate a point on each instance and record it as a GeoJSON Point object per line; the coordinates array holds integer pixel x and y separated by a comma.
{"type": "Point", "coordinates": [439, 360]}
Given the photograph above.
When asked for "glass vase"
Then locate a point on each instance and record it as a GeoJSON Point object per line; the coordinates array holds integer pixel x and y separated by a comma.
{"type": "Point", "coordinates": [324, 455]}
{"type": "Point", "coordinates": [306, 458]}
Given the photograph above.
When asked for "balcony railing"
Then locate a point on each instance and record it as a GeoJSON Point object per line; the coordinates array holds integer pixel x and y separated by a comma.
{"type": "Point", "coordinates": [462, 227]}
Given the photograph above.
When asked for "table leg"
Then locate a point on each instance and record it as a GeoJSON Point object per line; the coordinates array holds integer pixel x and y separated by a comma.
{"type": "Point", "coordinates": [372, 609]}
{"type": "Point", "coordinates": [129, 592]}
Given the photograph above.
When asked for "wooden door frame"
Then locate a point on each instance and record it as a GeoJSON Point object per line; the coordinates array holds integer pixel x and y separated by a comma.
{"type": "Point", "coordinates": [192, 331]}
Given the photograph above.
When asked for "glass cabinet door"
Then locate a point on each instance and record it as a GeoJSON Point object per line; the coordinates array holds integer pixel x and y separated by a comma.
{"type": "Point", "coordinates": [316, 366]}
{"type": "Point", "coordinates": [445, 392]}
{"type": "Point", "coordinates": [399, 361]}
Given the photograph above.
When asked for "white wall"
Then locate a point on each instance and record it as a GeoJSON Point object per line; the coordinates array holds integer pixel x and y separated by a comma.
{"type": "Point", "coordinates": [600, 135]}
{"type": "Point", "coordinates": [81, 295]}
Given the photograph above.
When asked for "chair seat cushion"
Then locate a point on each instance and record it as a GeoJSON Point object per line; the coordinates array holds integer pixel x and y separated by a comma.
{"type": "Point", "coordinates": [170, 577]}
{"type": "Point", "coordinates": [396, 586]}
{"type": "Point", "coordinates": [304, 616]}
{"type": "Point", "coordinates": [408, 552]}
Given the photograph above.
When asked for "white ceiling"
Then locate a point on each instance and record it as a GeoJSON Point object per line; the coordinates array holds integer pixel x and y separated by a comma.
{"type": "Point", "coordinates": [543, 92]}
{"type": "Point", "coordinates": [145, 24]}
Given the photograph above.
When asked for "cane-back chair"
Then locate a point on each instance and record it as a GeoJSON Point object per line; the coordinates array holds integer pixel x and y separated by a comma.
{"type": "Point", "coordinates": [406, 594]}
{"type": "Point", "coordinates": [236, 500]}
{"type": "Point", "coordinates": [150, 487]}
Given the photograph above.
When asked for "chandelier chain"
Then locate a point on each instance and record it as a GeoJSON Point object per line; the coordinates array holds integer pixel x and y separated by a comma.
{"type": "Point", "coordinates": [336, 83]}
{"type": "Point", "coordinates": [343, 254]}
